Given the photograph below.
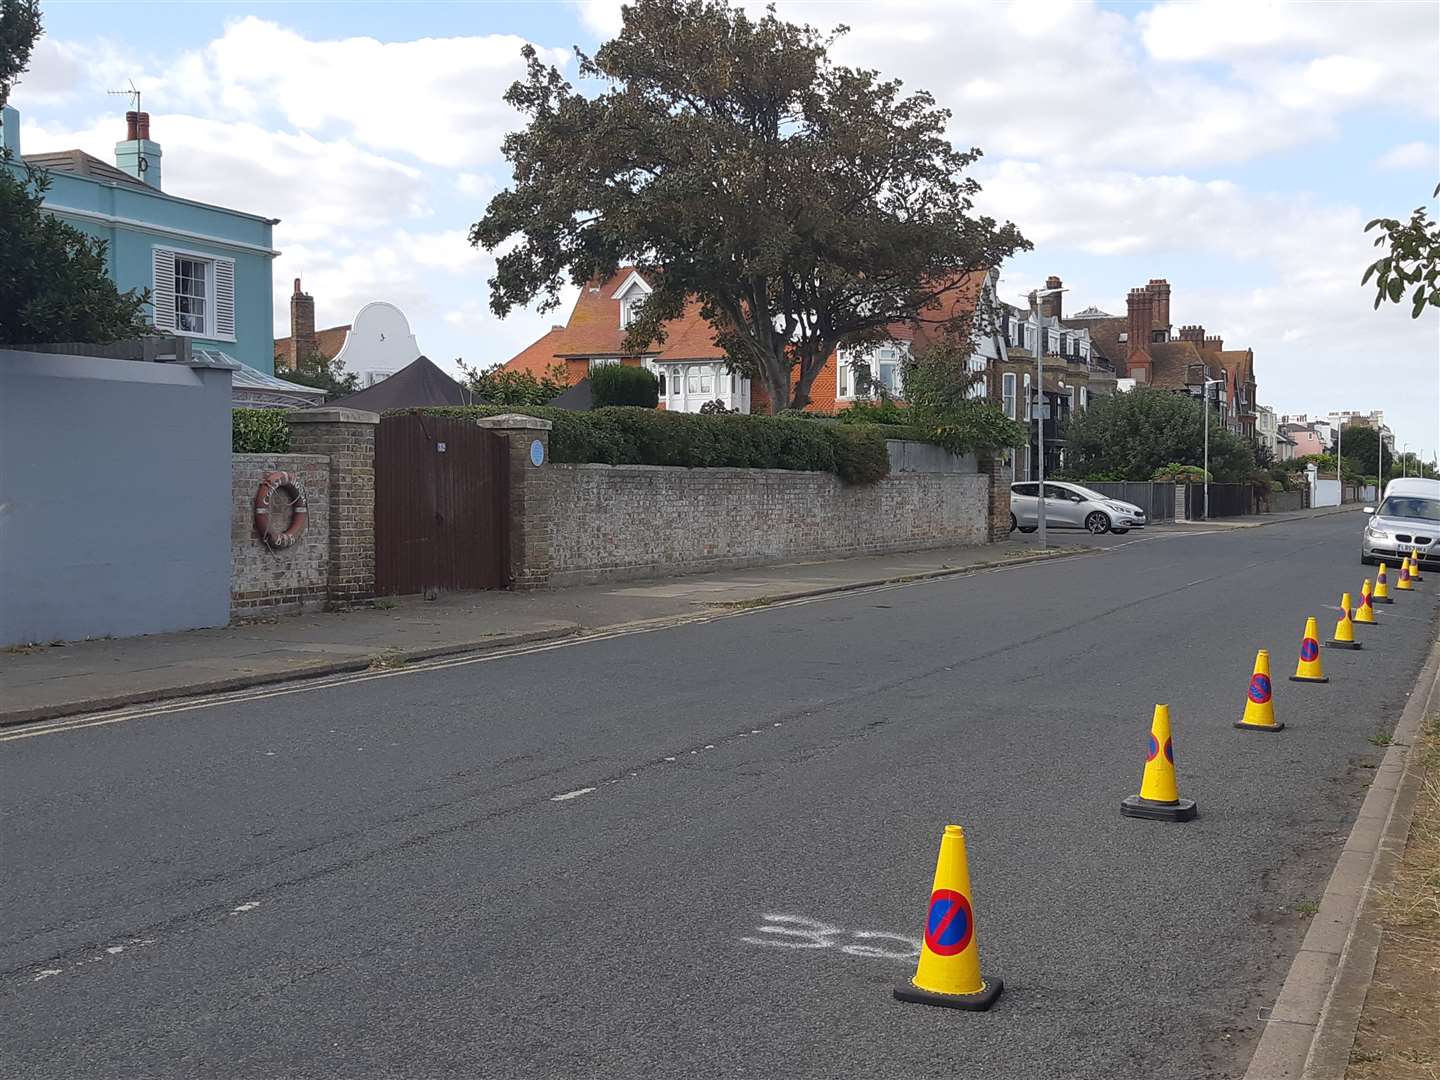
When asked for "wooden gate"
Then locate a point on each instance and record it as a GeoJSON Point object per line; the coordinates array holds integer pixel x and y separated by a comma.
{"type": "Point", "coordinates": [441, 505]}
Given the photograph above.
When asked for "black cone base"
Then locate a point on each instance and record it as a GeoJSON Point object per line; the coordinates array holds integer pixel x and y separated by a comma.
{"type": "Point", "coordinates": [1259, 727]}
{"type": "Point", "coordinates": [1135, 806]}
{"type": "Point", "coordinates": [980, 1001]}
{"type": "Point", "coordinates": [1309, 678]}
{"type": "Point", "coordinates": [1381, 600]}
{"type": "Point", "coordinates": [1343, 645]}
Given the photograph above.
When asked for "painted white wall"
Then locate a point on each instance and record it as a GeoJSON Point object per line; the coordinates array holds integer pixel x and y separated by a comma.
{"type": "Point", "coordinates": [379, 340]}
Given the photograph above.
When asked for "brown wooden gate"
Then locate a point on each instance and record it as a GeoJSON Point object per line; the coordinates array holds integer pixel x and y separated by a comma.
{"type": "Point", "coordinates": [441, 505]}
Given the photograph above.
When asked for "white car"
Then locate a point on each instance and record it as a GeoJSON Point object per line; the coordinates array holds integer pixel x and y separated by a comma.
{"type": "Point", "coordinates": [1407, 519]}
{"type": "Point", "coordinates": [1071, 506]}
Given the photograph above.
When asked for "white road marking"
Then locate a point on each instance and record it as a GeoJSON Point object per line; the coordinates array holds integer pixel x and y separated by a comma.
{"type": "Point", "coordinates": [249, 905]}
{"type": "Point", "coordinates": [567, 796]}
{"type": "Point", "coordinates": [46, 974]}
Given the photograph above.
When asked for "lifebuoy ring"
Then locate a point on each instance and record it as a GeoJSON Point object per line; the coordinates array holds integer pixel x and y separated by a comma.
{"type": "Point", "coordinates": [273, 482]}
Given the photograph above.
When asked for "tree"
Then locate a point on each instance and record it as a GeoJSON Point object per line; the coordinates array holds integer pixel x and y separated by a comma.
{"type": "Point", "coordinates": [1362, 446]}
{"type": "Point", "coordinates": [621, 384]}
{"type": "Point", "coordinates": [324, 373]}
{"type": "Point", "coordinates": [1132, 435]}
{"type": "Point", "coordinates": [1413, 258]}
{"type": "Point", "coordinates": [496, 386]}
{"type": "Point", "coordinates": [53, 281]}
{"type": "Point", "coordinates": [802, 204]}
{"type": "Point", "coordinates": [19, 27]}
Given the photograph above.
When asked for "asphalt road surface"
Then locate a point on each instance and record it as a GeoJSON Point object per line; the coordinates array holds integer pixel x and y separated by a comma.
{"type": "Point", "coordinates": [705, 851]}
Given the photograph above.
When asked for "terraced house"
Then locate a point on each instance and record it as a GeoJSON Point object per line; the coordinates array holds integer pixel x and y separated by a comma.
{"type": "Point", "coordinates": [208, 268]}
{"type": "Point", "coordinates": [693, 371]}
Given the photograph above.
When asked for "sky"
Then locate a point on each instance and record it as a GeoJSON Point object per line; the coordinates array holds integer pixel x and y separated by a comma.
{"type": "Point", "coordinates": [1235, 149]}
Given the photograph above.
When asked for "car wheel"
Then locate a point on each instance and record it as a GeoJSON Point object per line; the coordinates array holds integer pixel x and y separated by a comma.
{"type": "Point", "coordinates": [1028, 528]}
{"type": "Point", "coordinates": [1013, 523]}
{"type": "Point", "coordinates": [1119, 532]}
{"type": "Point", "coordinates": [1097, 523]}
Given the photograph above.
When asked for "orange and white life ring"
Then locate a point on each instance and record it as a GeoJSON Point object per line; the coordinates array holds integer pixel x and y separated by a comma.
{"type": "Point", "coordinates": [273, 482]}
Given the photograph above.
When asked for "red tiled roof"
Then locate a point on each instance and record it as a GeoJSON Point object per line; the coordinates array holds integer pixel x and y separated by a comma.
{"type": "Point", "coordinates": [328, 342]}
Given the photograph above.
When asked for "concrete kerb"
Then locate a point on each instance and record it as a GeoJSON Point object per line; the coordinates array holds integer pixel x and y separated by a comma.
{"type": "Point", "coordinates": [1222, 523]}
{"type": "Point", "coordinates": [403, 657]}
{"type": "Point", "coordinates": [1310, 1031]}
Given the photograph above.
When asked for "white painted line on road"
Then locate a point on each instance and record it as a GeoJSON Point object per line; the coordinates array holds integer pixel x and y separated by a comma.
{"type": "Point", "coordinates": [567, 796]}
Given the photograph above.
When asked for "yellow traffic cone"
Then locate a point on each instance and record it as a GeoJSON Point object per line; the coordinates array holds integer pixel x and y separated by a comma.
{"type": "Point", "coordinates": [949, 970]}
{"type": "Point", "coordinates": [1381, 595]}
{"type": "Point", "coordinates": [1405, 584]}
{"type": "Point", "coordinates": [1259, 709]}
{"type": "Point", "coordinates": [1415, 574]}
{"type": "Point", "coordinates": [1159, 797]}
{"type": "Point", "coordinates": [1344, 629]}
{"type": "Point", "coordinates": [1309, 668]}
{"type": "Point", "coordinates": [1365, 613]}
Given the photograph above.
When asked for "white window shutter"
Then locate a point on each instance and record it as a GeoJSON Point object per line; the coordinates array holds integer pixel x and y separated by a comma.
{"type": "Point", "coordinates": [225, 299]}
{"type": "Point", "coordinates": [163, 294]}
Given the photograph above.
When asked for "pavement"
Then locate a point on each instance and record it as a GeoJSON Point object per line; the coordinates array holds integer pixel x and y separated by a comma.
{"type": "Point", "coordinates": [46, 681]}
{"type": "Point", "coordinates": [704, 849]}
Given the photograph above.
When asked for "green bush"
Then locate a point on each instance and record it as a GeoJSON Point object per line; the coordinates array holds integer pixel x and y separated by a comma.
{"type": "Point", "coordinates": [638, 436]}
{"type": "Point", "coordinates": [1175, 473]}
{"type": "Point", "coordinates": [619, 384]}
{"type": "Point", "coordinates": [259, 431]}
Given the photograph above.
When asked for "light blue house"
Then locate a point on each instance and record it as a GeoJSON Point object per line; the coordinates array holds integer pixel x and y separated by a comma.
{"type": "Point", "coordinates": [208, 268]}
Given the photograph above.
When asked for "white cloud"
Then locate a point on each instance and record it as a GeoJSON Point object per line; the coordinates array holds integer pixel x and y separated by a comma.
{"type": "Point", "coordinates": [438, 99]}
{"type": "Point", "coordinates": [1411, 155]}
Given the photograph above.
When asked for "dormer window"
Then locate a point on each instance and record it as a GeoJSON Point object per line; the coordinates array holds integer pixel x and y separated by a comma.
{"type": "Point", "coordinates": [628, 308]}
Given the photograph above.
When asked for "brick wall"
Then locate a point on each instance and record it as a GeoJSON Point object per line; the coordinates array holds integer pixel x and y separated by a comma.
{"type": "Point", "coordinates": [610, 522]}
{"type": "Point", "coordinates": [295, 578]}
{"type": "Point", "coordinates": [347, 438]}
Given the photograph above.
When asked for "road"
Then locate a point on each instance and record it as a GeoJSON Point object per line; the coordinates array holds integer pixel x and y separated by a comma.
{"type": "Point", "coordinates": [573, 861]}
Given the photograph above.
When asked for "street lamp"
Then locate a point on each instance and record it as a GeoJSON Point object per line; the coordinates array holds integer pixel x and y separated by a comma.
{"type": "Point", "coordinates": [1205, 403]}
{"type": "Point", "coordinates": [1035, 298]}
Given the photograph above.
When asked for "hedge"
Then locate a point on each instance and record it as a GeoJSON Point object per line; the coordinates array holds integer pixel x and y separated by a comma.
{"type": "Point", "coordinates": [635, 436]}
{"type": "Point", "coordinates": [259, 431]}
{"type": "Point", "coordinates": [619, 384]}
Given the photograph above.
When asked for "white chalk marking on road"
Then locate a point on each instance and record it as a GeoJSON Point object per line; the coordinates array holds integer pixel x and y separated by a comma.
{"type": "Point", "coordinates": [46, 974]}
{"type": "Point", "coordinates": [669, 759]}
{"type": "Point", "coordinates": [710, 746]}
{"type": "Point", "coordinates": [799, 932]}
{"type": "Point", "coordinates": [114, 950]}
{"type": "Point", "coordinates": [249, 905]}
{"type": "Point", "coordinates": [567, 796]}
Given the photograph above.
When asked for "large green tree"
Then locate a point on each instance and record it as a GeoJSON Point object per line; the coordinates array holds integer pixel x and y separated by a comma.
{"type": "Point", "coordinates": [54, 284]}
{"type": "Point", "coordinates": [1129, 436]}
{"type": "Point", "coordinates": [19, 28]}
{"type": "Point", "coordinates": [804, 204]}
{"type": "Point", "coordinates": [1362, 447]}
{"type": "Point", "coordinates": [324, 373]}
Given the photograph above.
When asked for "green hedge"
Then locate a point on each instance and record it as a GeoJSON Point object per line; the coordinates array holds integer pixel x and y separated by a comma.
{"type": "Point", "coordinates": [259, 431]}
{"type": "Point", "coordinates": [619, 384]}
{"type": "Point", "coordinates": [635, 436]}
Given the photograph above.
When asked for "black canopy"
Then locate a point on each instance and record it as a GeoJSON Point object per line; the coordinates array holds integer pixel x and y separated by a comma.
{"type": "Point", "coordinates": [416, 385]}
{"type": "Point", "coordinates": [576, 398]}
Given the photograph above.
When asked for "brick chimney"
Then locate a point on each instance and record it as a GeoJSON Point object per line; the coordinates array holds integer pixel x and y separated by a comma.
{"type": "Point", "coordinates": [302, 326]}
{"type": "Point", "coordinates": [1050, 306]}
{"type": "Point", "coordinates": [1195, 334]}
{"type": "Point", "coordinates": [1214, 344]}
{"type": "Point", "coordinates": [1138, 363]}
{"type": "Point", "coordinates": [1159, 288]}
{"type": "Point", "coordinates": [137, 154]}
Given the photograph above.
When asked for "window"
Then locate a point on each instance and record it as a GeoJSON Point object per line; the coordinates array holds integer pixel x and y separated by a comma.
{"type": "Point", "coordinates": [675, 382]}
{"type": "Point", "coordinates": [1084, 398]}
{"type": "Point", "coordinates": [1029, 405]}
{"type": "Point", "coordinates": [1031, 490]}
{"type": "Point", "coordinates": [1007, 393]}
{"type": "Point", "coordinates": [602, 361]}
{"type": "Point", "coordinates": [842, 375]}
{"type": "Point", "coordinates": [194, 294]}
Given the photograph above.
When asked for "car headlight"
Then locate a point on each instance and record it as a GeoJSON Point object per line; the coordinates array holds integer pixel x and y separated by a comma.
{"type": "Point", "coordinates": [1376, 534]}
{"type": "Point", "coordinates": [1120, 508]}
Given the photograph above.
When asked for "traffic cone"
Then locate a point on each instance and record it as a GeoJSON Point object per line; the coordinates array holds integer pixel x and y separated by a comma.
{"type": "Point", "coordinates": [1415, 574]}
{"type": "Point", "coordinates": [1309, 668]}
{"type": "Point", "coordinates": [1159, 798]}
{"type": "Point", "coordinates": [1344, 629]}
{"type": "Point", "coordinates": [949, 970]}
{"type": "Point", "coordinates": [1365, 613]}
{"type": "Point", "coordinates": [1405, 584]}
{"type": "Point", "coordinates": [1259, 709]}
{"type": "Point", "coordinates": [1381, 595]}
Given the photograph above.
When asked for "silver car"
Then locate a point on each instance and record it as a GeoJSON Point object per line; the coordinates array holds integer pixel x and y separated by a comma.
{"type": "Point", "coordinates": [1403, 520]}
{"type": "Point", "coordinates": [1070, 506]}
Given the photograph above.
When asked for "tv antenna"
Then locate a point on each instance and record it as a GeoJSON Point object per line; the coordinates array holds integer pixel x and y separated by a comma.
{"type": "Point", "coordinates": [132, 93]}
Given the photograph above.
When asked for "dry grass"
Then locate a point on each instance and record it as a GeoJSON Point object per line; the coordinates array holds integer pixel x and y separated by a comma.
{"type": "Point", "coordinates": [1399, 1035]}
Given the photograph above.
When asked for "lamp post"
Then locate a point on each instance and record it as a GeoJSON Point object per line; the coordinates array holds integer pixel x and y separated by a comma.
{"type": "Point", "coordinates": [1035, 298]}
{"type": "Point", "coordinates": [1205, 404]}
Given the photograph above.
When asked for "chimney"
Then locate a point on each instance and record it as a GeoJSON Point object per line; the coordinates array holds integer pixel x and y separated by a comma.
{"type": "Point", "coordinates": [1159, 288]}
{"type": "Point", "coordinates": [1138, 364]}
{"type": "Point", "coordinates": [1050, 306]}
{"type": "Point", "coordinates": [137, 155]}
{"type": "Point", "coordinates": [302, 326]}
{"type": "Point", "coordinates": [1194, 334]}
{"type": "Point", "coordinates": [1214, 344]}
